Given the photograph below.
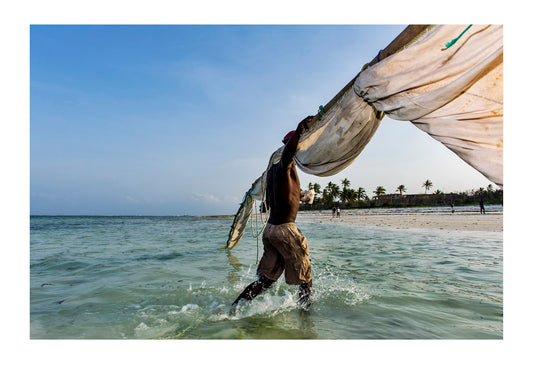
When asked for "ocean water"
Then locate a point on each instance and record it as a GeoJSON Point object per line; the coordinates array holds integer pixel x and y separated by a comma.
{"type": "Point", "coordinates": [169, 278]}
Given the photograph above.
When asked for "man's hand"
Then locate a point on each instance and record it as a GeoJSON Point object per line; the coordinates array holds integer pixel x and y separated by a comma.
{"type": "Point", "coordinates": [290, 147]}
{"type": "Point", "coordinates": [304, 124]}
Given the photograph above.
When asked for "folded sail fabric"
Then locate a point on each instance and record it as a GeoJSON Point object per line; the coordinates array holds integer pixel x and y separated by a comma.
{"type": "Point", "coordinates": [455, 94]}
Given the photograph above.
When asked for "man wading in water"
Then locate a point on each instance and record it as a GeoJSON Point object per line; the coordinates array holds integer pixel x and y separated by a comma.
{"type": "Point", "coordinates": [285, 247]}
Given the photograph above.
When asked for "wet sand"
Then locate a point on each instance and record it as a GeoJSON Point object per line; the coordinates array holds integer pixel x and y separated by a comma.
{"type": "Point", "coordinates": [491, 221]}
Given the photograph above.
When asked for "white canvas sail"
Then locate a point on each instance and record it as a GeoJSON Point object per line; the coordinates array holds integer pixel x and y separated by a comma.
{"type": "Point", "coordinates": [447, 81]}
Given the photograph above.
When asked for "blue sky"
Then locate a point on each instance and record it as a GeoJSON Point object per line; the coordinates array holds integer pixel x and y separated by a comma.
{"type": "Point", "coordinates": [180, 120]}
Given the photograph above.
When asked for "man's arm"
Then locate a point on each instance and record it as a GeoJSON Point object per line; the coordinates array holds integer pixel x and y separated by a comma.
{"type": "Point", "coordinates": [290, 148]}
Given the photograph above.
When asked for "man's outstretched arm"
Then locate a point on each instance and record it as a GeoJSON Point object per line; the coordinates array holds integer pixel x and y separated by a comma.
{"type": "Point", "coordinates": [292, 144]}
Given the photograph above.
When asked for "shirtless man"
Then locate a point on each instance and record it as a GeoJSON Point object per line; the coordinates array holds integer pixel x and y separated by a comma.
{"type": "Point", "coordinates": [285, 247]}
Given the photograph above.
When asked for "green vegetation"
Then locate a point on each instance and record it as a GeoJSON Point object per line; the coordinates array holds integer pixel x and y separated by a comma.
{"type": "Point", "coordinates": [401, 189]}
{"type": "Point", "coordinates": [346, 197]}
{"type": "Point", "coordinates": [427, 184]}
{"type": "Point", "coordinates": [380, 190]}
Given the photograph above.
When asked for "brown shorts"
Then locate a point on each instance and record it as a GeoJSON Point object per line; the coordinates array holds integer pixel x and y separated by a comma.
{"type": "Point", "coordinates": [285, 249]}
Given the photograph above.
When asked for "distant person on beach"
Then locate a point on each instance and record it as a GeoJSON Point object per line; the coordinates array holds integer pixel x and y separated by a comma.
{"type": "Point", "coordinates": [333, 211]}
{"type": "Point", "coordinates": [285, 247]}
{"type": "Point", "coordinates": [481, 207]}
{"type": "Point", "coordinates": [338, 212]}
{"type": "Point", "coordinates": [453, 209]}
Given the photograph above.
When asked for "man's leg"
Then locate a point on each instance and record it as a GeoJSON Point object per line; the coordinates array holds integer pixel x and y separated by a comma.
{"type": "Point", "coordinates": [304, 295]}
{"type": "Point", "coordinates": [254, 289]}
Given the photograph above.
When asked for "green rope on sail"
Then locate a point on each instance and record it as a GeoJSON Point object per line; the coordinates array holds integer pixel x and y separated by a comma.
{"type": "Point", "coordinates": [321, 112]}
{"type": "Point", "coordinates": [452, 42]}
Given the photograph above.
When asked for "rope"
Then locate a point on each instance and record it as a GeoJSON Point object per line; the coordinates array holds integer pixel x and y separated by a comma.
{"type": "Point", "coordinates": [258, 232]}
{"type": "Point", "coordinates": [452, 42]}
{"type": "Point", "coordinates": [256, 236]}
{"type": "Point", "coordinates": [321, 112]}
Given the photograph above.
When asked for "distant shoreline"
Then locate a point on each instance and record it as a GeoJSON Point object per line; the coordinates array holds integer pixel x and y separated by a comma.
{"type": "Point", "coordinates": [445, 220]}
{"type": "Point", "coordinates": [439, 217]}
{"type": "Point", "coordinates": [431, 218]}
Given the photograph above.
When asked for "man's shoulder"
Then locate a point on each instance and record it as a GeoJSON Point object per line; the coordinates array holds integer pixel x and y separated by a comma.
{"type": "Point", "coordinates": [281, 165]}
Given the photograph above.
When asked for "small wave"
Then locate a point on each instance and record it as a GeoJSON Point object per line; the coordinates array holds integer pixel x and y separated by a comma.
{"type": "Point", "coordinates": [339, 290]}
{"type": "Point", "coordinates": [160, 257]}
{"type": "Point", "coordinates": [268, 304]}
{"type": "Point", "coordinates": [189, 308]}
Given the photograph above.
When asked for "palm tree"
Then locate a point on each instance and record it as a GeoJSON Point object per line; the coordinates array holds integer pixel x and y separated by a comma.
{"type": "Point", "coordinates": [335, 191]}
{"type": "Point", "coordinates": [480, 193]}
{"type": "Point", "coordinates": [345, 191]}
{"type": "Point", "coordinates": [427, 184]}
{"type": "Point", "coordinates": [380, 190]}
{"type": "Point", "coordinates": [360, 194]}
{"type": "Point", "coordinates": [345, 184]}
{"type": "Point", "coordinates": [316, 188]}
{"type": "Point", "coordinates": [350, 196]}
{"type": "Point", "coordinates": [490, 192]}
{"type": "Point", "coordinates": [326, 195]}
{"type": "Point", "coordinates": [343, 196]}
{"type": "Point", "coordinates": [401, 188]}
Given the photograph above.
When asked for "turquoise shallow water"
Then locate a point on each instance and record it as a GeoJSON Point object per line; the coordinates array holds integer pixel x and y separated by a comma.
{"type": "Point", "coordinates": [169, 278]}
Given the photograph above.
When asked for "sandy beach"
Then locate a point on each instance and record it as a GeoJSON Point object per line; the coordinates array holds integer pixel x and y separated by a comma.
{"type": "Point", "coordinates": [491, 221]}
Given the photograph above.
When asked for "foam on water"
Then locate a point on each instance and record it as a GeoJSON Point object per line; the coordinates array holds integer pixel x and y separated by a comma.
{"type": "Point", "coordinates": [208, 310]}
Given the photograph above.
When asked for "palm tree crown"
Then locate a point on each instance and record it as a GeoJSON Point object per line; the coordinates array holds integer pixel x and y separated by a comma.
{"type": "Point", "coordinates": [360, 194]}
{"type": "Point", "coordinates": [334, 190]}
{"type": "Point", "coordinates": [427, 184]}
{"type": "Point", "coordinates": [346, 192]}
{"type": "Point", "coordinates": [380, 190]}
{"type": "Point", "coordinates": [402, 189]}
{"type": "Point", "coordinates": [345, 184]}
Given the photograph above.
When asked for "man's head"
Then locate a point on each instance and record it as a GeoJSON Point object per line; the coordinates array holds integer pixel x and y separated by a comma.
{"type": "Point", "coordinates": [287, 137]}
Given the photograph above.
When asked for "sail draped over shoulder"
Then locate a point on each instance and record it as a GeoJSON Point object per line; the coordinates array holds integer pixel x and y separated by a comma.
{"type": "Point", "coordinates": [454, 94]}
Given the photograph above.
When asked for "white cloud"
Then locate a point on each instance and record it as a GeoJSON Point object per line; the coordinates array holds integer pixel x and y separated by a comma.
{"type": "Point", "coordinates": [212, 198]}
{"type": "Point", "coordinates": [43, 195]}
{"type": "Point", "coordinates": [131, 199]}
